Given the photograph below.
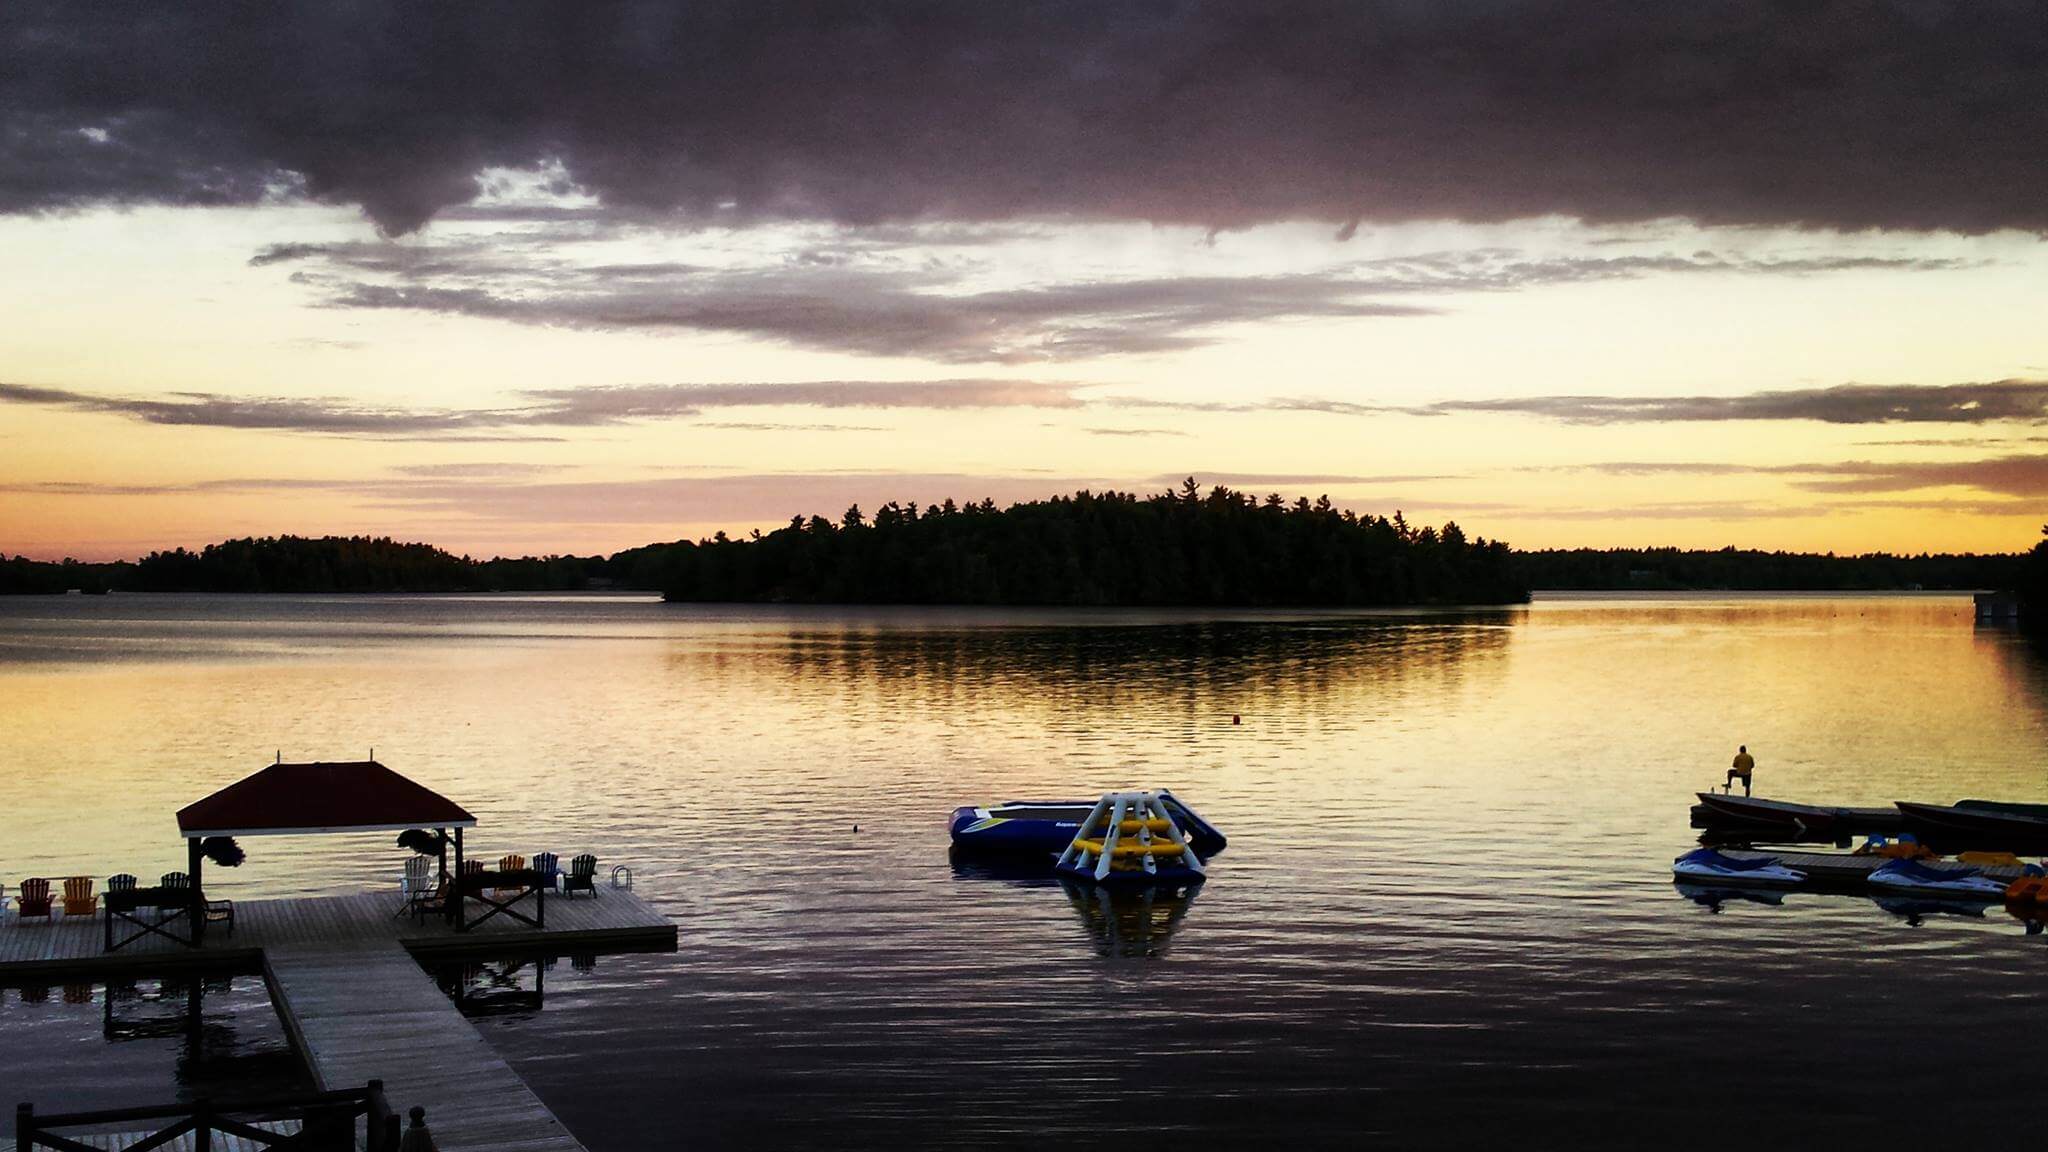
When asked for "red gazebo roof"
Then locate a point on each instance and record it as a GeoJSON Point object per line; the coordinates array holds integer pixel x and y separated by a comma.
{"type": "Point", "coordinates": [289, 799]}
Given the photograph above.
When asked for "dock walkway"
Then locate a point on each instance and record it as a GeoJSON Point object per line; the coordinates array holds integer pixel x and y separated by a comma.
{"type": "Point", "coordinates": [371, 1011]}
{"type": "Point", "coordinates": [345, 975]}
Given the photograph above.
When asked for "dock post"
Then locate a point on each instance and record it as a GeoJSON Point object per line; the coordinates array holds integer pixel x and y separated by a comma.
{"type": "Point", "coordinates": [202, 1127]}
{"type": "Point", "coordinates": [24, 1121]}
{"type": "Point", "coordinates": [455, 896]}
{"type": "Point", "coordinates": [197, 911]}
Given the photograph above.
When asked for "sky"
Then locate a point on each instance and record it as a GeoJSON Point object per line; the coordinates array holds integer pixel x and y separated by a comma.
{"type": "Point", "coordinates": [575, 278]}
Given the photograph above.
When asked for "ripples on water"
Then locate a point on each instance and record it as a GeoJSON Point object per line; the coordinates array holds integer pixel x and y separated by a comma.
{"type": "Point", "coordinates": [1445, 916]}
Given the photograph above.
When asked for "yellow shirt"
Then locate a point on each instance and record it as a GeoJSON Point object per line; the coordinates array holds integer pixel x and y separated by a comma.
{"type": "Point", "coordinates": [1744, 762]}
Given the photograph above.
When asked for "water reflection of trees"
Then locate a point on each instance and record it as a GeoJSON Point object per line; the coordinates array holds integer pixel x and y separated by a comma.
{"type": "Point", "coordinates": [2026, 669]}
{"type": "Point", "coordinates": [1111, 662]}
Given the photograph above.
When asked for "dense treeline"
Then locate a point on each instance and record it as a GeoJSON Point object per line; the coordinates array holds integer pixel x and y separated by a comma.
{"type": "Point", "coordinates": [21, 575]}
{"type": "Point", "coordinates": [1731, 569]}
{"type": "Point", "coordinates": [1185, 547]}
{"type": "Point", "coordinates": [334, 564]}
{"type": "Point", "coordinates": [1177, 548]}
{"type": "Point", "coordinates": [298, 564]}
{"type": "Point", "coordinates": [2033, 589]}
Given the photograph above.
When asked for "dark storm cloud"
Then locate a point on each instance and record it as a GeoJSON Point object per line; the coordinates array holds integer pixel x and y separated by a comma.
{"type": "Point", "coordinates": [887, 308]}
{"type": "Point", "coordinates": [1974, 403]}
{"type": "Point", "coordinates": [1844, 113]}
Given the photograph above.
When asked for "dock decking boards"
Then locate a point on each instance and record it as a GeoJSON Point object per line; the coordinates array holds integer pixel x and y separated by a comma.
{"type": "Point", "coordinates": [346, 977]}
{"type": "Point", "coordinates": [369, 1010]}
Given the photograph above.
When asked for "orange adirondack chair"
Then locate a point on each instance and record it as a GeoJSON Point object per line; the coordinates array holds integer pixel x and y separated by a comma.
{"type": "Point", "coordinates": [512, 863]}
{"type": "Point", "coordinates": [34, 899]}
{"type": "Point", "coordinates": [78, 897]}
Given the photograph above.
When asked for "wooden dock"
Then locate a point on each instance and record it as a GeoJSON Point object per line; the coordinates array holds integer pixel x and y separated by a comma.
{"type": "Point", "coordinates": [371, 1011]}
{"type": "Point", "coordinates": [345, 975]}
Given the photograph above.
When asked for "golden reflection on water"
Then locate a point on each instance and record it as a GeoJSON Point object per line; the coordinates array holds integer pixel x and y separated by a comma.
{"type": "Point", "coordinates": [1447, 877]}
{"type": "Point", "coordinates": [647, 731]}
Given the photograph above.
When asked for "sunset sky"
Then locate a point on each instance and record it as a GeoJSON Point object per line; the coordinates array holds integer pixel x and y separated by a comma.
{"type": "Point", "coordinates": [582, 278]}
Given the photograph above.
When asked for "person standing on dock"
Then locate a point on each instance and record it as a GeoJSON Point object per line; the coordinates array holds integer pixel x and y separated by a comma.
{"type": "Point", "coordinates": [1743, 766]}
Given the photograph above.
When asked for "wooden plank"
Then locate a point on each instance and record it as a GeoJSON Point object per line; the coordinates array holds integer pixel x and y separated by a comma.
{"type": "Point", "coordinates": [372, 1011]}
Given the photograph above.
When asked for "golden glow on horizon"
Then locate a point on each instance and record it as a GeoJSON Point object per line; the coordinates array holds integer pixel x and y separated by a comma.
{"type": "Point", "coordinates": [155, 303]}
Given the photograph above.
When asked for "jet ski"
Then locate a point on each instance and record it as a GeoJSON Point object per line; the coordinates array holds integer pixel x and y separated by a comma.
{"type": "Point", "coordinates": [1707, 866]}
{"type": "Point", "coordinates": [1046, 827]}
{"type": "Point", "coordinates": [1912, 876]}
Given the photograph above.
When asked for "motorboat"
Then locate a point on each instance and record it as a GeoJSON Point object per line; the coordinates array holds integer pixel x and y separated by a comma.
{"type": "Point", "coordinates": [1723, 810]}
{"type": "Point", "coordinates": [1922, 879]}
{"type": "Point", "coordinates": [1981, 823]}
{"type": "Point", "coordinates": [1046, 827]}
{"type": "Point", "coordinates": [1709, 866]}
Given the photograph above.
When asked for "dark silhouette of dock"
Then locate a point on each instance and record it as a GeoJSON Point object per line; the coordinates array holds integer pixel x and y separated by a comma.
{"type": "Point", "coordinates": [344, 973]}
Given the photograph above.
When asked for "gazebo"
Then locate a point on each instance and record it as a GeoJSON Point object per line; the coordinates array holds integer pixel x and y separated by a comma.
{"type": "Point", "coordinates": [314, 799]}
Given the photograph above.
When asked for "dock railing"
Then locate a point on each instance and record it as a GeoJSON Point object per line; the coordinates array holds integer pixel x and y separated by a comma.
{"type": "Point", "coordinates": [327, 1123]}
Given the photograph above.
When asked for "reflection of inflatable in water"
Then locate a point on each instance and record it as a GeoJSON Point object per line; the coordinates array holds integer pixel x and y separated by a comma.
{"type": "Point", "coordinates": [1714, 896]}
{"type": "Point", "coordinates": [1129, 921]}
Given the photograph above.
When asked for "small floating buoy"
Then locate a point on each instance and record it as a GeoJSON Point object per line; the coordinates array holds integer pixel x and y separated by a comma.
{"type": "Point", "coordinates": [856, 827]}
{"type": "Point", "coordinates": [1236, 719]}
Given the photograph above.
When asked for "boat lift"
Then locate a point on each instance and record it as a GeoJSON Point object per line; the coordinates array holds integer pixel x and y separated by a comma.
{"type": "Point", "coordinates": [1130, 837]}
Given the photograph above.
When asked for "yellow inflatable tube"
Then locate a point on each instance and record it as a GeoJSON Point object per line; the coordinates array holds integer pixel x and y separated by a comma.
{"type": "Point", "coordinates": [1160, 849]}
{"type": "Point", "coordinates": [1133, 827]}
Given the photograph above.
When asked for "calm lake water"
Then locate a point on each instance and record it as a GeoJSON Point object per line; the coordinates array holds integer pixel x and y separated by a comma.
{"type": "Point", "coordinates": [1445, 916]}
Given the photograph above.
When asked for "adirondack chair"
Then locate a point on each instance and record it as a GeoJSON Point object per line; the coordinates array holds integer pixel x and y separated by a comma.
{"type": "Point", "coordinates": [582, 875]}
{"type": "Point", "coordinates": [177, 888]}
{"type": "Point", "coordinates": [34, 899]}
{"type": "Point", "coordinates": [221, 912]}
{"type": "Point", "coordinates": [512, 863]}
{"type": "Point", "coordinates": [417, 880]}
{"type": "Point", "coordinates": [419, 875]}
{"type": "Point", "coordinates": [121, 882]}
{"type": "Point", "coordinates": [78, 897]}
{"type": "Point", "coordinates": [433, 900]}
{"type": "Point", "coordinates": [547, 868]}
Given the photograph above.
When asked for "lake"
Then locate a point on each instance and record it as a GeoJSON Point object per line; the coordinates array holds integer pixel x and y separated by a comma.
{"type": "Point", "coordinates": [1445, 916]}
